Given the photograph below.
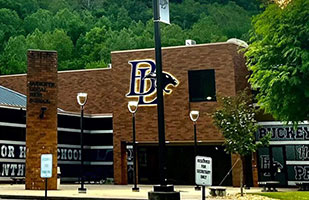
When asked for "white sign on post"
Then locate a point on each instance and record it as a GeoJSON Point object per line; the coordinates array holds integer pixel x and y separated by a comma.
{"type": "Point", "coordinates": [46, 165]}
{"type": "Point", "coordinates": [203, 171]}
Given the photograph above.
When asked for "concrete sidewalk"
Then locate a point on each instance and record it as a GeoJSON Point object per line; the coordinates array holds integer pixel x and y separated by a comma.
{"type": "Point", "coordinates": [110, 192]}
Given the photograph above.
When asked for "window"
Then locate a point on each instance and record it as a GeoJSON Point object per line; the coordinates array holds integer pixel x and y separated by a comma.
{"type": "Point", "coordinates": [202, 85]}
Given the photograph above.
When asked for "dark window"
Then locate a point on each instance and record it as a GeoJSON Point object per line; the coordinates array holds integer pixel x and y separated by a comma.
{"type": "Point", "coordinates": [202, 85]}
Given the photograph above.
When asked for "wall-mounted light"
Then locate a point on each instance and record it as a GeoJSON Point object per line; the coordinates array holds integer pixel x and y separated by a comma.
{"type": "Point", "coordinates": [42, 112]}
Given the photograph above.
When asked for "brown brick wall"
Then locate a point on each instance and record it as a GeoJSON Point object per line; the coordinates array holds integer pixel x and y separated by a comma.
{"type": "Point", "coordinates": [41, 133]}
{"type": "Point", "coordinates": [96, 83]}
{"type": "Point", "coordinates": [17, 82]}
{"type": "Point", "coordinates": [241, 71]}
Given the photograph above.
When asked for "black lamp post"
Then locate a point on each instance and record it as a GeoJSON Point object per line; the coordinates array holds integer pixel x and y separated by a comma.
{"type": "Point", "coordinates": [82, 99]}
{"type": "Point", "coordinates": [160, 103]}
{"type": "Point", "coordinates": [194, 115]}
{"type": "Point", "coordinates": [162, 191]}
{"type": "Point", "coordinates": [132, 106]}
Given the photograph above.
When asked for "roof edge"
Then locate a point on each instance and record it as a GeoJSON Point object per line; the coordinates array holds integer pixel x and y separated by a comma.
{"type": "Point", "coordinates": [175, 47]}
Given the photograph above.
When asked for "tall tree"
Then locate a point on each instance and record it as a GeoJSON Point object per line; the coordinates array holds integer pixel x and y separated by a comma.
{"type": "Point", "coordinates": [206, 31]}
{"type": "Point", "coordinates": [13, 58]}
{"type": "Point", "coordinates": [57, 40]}
{"type": "Point", "coordinates": [235, 118]}
{"type": "Point", "coordinates": [42, 20]}
{"type": "Point", "coordinates": [232, 20]}
{"type": "Point", "coordinates": [93, 47]}
{"type": "Point", "coordinates": [278, 57]}
{"type": "Point", "coordinates": [70, 22]}
{"type": "Point", "coordinates": [10, 24]}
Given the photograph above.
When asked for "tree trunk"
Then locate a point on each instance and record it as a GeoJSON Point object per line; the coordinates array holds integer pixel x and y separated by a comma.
{"type": "Point", "coordinates": [241, 176]}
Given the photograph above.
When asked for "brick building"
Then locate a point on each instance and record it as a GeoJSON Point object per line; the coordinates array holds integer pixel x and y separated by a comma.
{"type": "Point", "coordinates": [195, 76]}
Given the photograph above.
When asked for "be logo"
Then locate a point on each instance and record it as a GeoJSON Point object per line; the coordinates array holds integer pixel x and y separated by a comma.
{"type": "Point", "coordinates": [143, 82]}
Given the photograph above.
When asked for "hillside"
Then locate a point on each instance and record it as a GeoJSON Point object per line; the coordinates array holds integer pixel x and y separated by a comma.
{"type": "Point", "coordinates": [84, 32]}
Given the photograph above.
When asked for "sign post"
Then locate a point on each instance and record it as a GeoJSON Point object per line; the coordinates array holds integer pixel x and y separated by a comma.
{"type": "Point", "coordinates": [46, 169]}
{"type": "Point", "coordinates": [203, 172]}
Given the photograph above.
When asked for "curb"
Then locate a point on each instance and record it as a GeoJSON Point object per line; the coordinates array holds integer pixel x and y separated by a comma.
{"type": "Point", "coordinates": [61, 198]}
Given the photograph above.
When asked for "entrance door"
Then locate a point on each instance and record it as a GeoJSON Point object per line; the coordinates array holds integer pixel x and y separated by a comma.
{"type": "Point", "coordinates": [181, 164]}
{"type": "Point", "coordinates": [272, 164]}
{"type": "Point", "coordinates": [278, 164]}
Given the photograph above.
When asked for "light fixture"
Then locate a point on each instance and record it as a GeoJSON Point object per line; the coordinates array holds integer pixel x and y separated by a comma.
{"type": "Point", "coordinates": [194, 115]}
{"type": "Point", "coordinates": [82, 98]}
{"type": "Point", "coordinates": [132, 106]}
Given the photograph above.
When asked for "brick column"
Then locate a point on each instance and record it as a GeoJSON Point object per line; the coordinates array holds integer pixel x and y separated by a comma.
{"type": "Point", "coordinates": [41, 133]}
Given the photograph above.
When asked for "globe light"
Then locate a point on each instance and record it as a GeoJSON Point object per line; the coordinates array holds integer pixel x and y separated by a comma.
{"type": "Point", "coordinates": [132, 106]}
{"type": "Point", "coordinates": [194, 115]}
{"type": "Point", "coordinates": [82, 98]}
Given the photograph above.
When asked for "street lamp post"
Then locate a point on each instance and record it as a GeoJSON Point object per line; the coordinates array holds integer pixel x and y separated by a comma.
{"type": "Point", "coordinates": [194, 115]}
{"type": "Point", "coordinates": [162, 191]}
{"type": "Point", "coordinates": [132, 106]}
{"type": "Point", "coordinates": [81, 100]}
{"type": "Point", "coordinates": [160, 102]}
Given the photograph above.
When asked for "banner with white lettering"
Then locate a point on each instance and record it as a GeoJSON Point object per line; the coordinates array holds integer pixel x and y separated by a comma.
{"type": "Point", "coordinates": [164, 11]}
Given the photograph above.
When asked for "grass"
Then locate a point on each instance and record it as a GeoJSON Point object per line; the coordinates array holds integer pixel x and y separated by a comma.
{"type": "Point", "coordinates": [286, 195]}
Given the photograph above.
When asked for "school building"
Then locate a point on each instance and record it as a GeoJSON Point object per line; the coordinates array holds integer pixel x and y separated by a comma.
{"type": "Point", "coordinates": [195, 76]}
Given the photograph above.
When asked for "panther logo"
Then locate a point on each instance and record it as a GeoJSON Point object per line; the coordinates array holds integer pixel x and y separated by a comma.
{"type": "Point", "coordinates": [167, 79]}
{"type": "Point", "coordinates": [144, 82]}
{"type": "Point", "coordinates": [163, 4]}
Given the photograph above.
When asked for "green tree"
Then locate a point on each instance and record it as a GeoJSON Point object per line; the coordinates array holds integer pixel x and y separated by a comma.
{"type": "Point", "coordinates": [55, 5]}
{"type": "Point", "coordinates": [173, 35]}
{"type": "Point", "coordinates": [57, 40]}
{"type": "Point", "coordinates": [278, 57]}
{"type": "Point", "coordinates": [26, 7]}
{"type": "Point", "coordinates": [70, 22]}
{"type": "Point", "coordinates": [143, 34]}
{"type": "Point", "coordinates": [232, 20]}
{"type": "Point", "coordinates": [9, 25]}
{"type": "Point", "coordinates": [13, 58]}
{"type": "Point", "coordinates": [235, 118]}
{"type": "Point", "coordinates": [93, 47]}
{"type": "Point", "coordinates": [42, 20]}
{"type": "Point", "coordinates": [206, 31]}
{"type": "Point", "coordinates": [186, 13]}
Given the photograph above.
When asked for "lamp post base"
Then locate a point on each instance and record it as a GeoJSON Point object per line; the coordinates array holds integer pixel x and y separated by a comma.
{"type": "Point", "coordinates": [197, 188]}
{"type": "Point", "coordinates": [163, 192]}
{"type": "Point", "coordinates": [82, 190]}
{"type": "Point", "coordinates": [135, 189]}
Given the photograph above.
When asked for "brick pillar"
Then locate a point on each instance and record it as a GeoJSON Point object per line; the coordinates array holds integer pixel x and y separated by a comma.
{"type": "Point", "coordinates": [120, 162]}
{"type": "Point", "coordinates": [41, 132]}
